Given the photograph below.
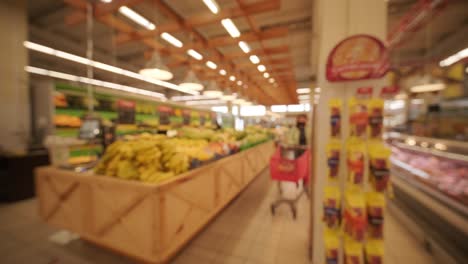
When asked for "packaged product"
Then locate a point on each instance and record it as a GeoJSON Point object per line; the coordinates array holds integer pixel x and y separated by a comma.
{"type": "Point", "coordinates": [376, 106]}
{"type": "Point", "coordinates": [379, 165]}
{"type": "Point", "coordinates": [332, 207]}
{"type": "Point", "coordinates": [356, 155]}
{"type": "Point", "coordinates": [332, 244]}
{"type": "Point", "coordinates": [375, 202]}
{"type": "Point", "coordinates": [355, 221]}
{"type": "Point", "coordinates": [353, 252]}
{"type": "Point", "coordinates": [374, 252]}
{"type": "Point", "coordinates": [335, 117]}
{"type": "Point", "coordinates": [358, 117]}
{"type": "Point", "coordinates": [333, 159]}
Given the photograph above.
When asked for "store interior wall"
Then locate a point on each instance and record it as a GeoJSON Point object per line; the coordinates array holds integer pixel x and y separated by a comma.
{"type": "Point", "coordinates": [14, 90]}
{"type": "Point", "coordinates": [339, 19]}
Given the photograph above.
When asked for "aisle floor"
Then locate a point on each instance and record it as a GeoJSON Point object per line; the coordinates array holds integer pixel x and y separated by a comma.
{"type": "Point", "coordinates": [245, 232]}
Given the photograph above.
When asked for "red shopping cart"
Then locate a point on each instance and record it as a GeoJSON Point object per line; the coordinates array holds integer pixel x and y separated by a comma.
{"type": "Point", "coordinates": [290, 164]}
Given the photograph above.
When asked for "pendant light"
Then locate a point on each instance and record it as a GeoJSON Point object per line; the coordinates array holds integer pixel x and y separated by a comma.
{"type": "Point", "coordinates": [228, 95]}
{"type": "Point", "coordinates": [191, 82]}
{"type": "Point", "coordinates": [156, 69]}
{"type": "Point", "coordinates": [212, 90]}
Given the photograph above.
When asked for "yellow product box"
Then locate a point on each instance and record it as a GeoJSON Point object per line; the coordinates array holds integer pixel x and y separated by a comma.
{"type": "Point", "coordinates": [374, 252]}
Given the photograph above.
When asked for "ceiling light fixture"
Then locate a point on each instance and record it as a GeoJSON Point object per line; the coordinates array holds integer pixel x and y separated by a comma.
{"type": "Point", "coordinates": [271, 80]}
{"type": "Point", "coordinates": [206, 102]}
{"type": "Point", "coordinates": [239, 82]}
{"type": "Point", "coordinates": [266, 75]}
{"type": "Point", "coordinates": [228, 95]}
{"type": "Point", "coordinates": [155, 68]}
{"type": "Point", "coordinates": [106, 1]}
{"type": "Point", "coordinates": [171, 39]}
{"type": "Point", "coordinates": [137, 18]}
{"type": "Point", "coordinates": [222, 72]}
{"type": "Point", "coordinates": [261, 68]}
{"type": "Point", "coordinates": [427, 88]}
{"type": "Point", "coordinates": [211, 65]}
{"type": "Point", "coordinates": [244, 46]}
{"type": "Point", "coordinates": [194, 54]}
{"type": "Point", "coordinates": [454, 58]}
{"type": "Point", "coordinates": [212, 90]}
{"type": "Point", "coordinates": [212, 5]}
{"type": "Point", "coordinates": [103, 66]}
{"type": "Point", "coordinates": [191, 82]}
{"type": "Point", "coordinates": [254, 59]}
{"type": "Point", "coordinates": [115, 86]}
{"type": "Point", "coordinates": [232, 78]}
{"type": "Point", "coordinates": [190, 98]}
{"type": "Point", "coordinates": [239, 101]}
{"type": "Point", "coordinates": [230, 27]}
{"type": "Point", "coordinates": [317, 90]}
{"type": "Point", "coordinates": [303, 90]}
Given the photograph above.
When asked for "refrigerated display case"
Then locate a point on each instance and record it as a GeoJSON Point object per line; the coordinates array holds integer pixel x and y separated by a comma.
{"type": "Point", "coordinates": [430, 182]}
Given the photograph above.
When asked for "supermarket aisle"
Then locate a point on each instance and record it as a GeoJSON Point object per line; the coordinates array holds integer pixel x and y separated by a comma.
{"type": "Point", "coordinates": [243, 233]}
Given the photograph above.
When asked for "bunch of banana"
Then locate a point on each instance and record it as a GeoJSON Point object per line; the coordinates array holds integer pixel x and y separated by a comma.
{"type": "Point", "coordinates": [154, 176]}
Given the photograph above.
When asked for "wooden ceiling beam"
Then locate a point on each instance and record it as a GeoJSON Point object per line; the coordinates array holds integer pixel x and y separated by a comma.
{"type": "Point", "coordinates": [266, 51]}
{"type": "Point", "coordinates": [203, 19]}
{"type": "Point", "coordinates": [268, 60]}
{"type": "Point", "coordinates": [100, 9]}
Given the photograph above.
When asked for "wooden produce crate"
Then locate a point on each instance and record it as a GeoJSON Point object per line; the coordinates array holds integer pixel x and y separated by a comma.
{"type": "Point", "coordinates": [149, 222]}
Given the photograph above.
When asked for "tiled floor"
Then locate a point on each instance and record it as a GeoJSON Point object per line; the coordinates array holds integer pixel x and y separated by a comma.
{"type": "Point", "coordinates": [245, 233]}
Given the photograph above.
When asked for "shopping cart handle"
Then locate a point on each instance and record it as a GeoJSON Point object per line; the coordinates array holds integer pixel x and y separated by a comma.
{"type": "Point", "coordinates": [285, 146]}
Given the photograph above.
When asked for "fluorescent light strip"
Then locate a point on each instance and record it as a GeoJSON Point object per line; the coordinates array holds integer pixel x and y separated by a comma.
{"type": "Point", "coordinates": [211, 65]}
{"type": "Point", "coordinates": [427, 88]}
{"type": "Point", "coordinates": [190, 98]}
{"type": "Point", "coordinates": [303, 90]}
{"type": "Point", "coordinates": [206, 102]}
{"type": "Point", "coordinates": [304, 97]}
{"type": "Point", "coordinates": [254, 59]}
{"type": "Point", "coordinates": [194, 54]}
{"type": "Point", "coordinates": [212, 5]}
{"type": "Point", "coordinates": [454, 58]}
{"type": "Point", "coordinates": [172, 40]}
{"type": "Point", "coordinates": [261, 68]}
{"type": "Point", "coordinates": [103, 66]}
{"type": "Point", "coordinates": [137, 18]}
{"type": "Point", "coordinates": [244, 46]}
{"type": "Point", "coordinates": [74, 78]}
{"type": "Point", "coordinates": [222, 72]}
{"type": "Point", "coordinates": [230, 27]}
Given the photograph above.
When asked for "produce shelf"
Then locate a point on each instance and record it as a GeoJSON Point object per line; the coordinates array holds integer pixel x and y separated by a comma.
{"type": "Point", "coordinates": [145, 221]}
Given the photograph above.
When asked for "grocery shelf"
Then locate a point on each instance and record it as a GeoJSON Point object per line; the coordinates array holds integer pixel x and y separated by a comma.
{"type": "Point", "coordinates": [451, 149]}
{"type": "Point", "coordinates": [405, 174]}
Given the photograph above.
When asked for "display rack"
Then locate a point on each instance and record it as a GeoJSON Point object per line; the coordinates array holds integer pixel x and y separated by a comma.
{"type": "Point", "coordinates": [149, 222]}
{"type": "Point", "coordinates": [419, 197]}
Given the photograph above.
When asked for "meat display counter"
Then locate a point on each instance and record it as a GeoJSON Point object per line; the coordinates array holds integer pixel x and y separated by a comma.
{"type": "Point", "coordinates": [430, 182]}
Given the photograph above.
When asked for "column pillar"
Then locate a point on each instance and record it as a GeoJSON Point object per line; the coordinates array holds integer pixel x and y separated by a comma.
{"type": "Point", "coordinates": [335, 20]}
{"type": "Point", "coordinates": [14, 89]}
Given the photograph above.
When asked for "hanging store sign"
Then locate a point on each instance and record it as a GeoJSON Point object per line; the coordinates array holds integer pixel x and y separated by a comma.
{"type": "Point", "coordinates": [358, 57]}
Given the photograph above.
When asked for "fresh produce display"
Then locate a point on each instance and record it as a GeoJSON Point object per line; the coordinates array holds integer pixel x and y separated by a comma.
{"type": "Point", "coordinates": [155, 158]}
